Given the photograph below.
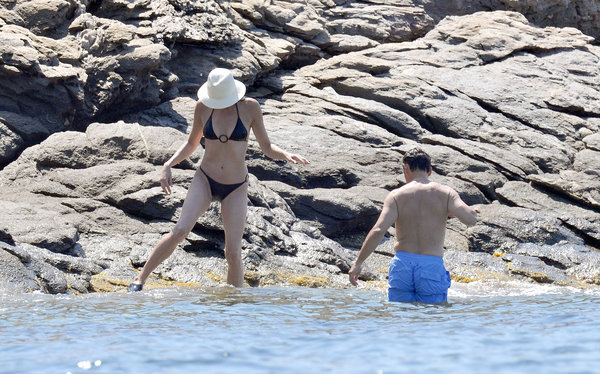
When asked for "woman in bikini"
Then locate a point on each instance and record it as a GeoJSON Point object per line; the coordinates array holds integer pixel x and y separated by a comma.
{"type": "Point", "coordinates": [223, 119]}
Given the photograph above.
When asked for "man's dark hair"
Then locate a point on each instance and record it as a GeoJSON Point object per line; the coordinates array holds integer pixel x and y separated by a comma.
{"type": "Point", "coordinates": [416, 158]}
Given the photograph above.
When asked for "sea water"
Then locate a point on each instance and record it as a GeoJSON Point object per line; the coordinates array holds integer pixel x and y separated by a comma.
{"type": "Point", "coordinates": [487, 327]}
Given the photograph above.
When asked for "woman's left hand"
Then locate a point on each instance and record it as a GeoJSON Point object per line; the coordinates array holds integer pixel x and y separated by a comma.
{"type": "Point", "coordinates": [295, 158]}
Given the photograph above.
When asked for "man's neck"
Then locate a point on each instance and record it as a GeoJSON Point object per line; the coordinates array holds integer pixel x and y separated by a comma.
{"type": "Point", "coordinates": [420, 177]}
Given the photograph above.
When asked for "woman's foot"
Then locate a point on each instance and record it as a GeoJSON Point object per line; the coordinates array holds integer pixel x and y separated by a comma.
{"type": "Point", "coordinates": [135, 287]}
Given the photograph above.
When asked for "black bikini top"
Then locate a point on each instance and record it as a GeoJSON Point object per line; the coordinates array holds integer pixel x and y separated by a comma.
{"type": "Point", "coordinates": [239, 133]}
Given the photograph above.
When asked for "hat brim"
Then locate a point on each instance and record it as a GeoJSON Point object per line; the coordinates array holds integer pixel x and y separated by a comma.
{"type": "Point", "coordinates": [240, 91]}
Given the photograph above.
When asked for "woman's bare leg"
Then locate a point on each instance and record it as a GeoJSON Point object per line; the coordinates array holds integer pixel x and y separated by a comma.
{"type": "Point", "coordinates": [233, 211]}
{"type": "Point", "coordinates": [196, 203]}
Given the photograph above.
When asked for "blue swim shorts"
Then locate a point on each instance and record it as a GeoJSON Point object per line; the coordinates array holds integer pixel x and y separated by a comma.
{"type": "Point", "coordinates": [421, 278]}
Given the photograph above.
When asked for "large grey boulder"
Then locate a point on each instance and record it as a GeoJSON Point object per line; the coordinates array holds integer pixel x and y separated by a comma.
{"type": "Point", "coordinates": [581, 14]}
{"type": "Point", "coordinates": [95, 97]}
{"type": "Point", "coordinates": [94, 197]}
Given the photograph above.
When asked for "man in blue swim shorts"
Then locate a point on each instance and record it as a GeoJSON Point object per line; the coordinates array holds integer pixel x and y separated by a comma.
{"type": "Point", "coordinates": [419, 210]}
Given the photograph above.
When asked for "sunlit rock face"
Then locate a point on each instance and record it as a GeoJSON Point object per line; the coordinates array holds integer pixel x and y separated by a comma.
{"type": "Point", "coordinates": [95, 96]}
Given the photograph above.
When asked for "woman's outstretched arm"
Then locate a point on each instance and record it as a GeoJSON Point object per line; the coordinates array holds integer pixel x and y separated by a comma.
{"type": "Point", "coordinates": [269, 149]}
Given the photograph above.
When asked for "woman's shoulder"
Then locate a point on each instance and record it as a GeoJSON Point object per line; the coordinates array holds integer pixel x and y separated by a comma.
{"type": "Point", "coordinates": [250, 106]}
{"type": "Point", "coordinates": [249, 102]}
{"type": "Point", "coordinates": [200, 106]}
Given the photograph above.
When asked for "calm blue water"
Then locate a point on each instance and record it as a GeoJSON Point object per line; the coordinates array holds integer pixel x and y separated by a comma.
{"type": "Point", "coordinates": [487, 328]}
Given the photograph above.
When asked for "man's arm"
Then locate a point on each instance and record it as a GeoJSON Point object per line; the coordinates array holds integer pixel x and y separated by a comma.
{"type": "Point", "coordinates": [388, 216]}
{"type": "Point", "coordinates": [460, 210]}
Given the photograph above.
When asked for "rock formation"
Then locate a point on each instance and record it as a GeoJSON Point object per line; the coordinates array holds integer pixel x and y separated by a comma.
{"type": "Point", "coordinates": [95, 96]}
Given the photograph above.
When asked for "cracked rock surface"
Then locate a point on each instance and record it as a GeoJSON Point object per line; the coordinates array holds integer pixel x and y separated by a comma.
{"type": "Point", "coordinates": [94, 98]}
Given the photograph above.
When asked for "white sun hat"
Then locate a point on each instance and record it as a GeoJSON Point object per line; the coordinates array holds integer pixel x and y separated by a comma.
{"type": "Point", "coordinates": [221, 90]}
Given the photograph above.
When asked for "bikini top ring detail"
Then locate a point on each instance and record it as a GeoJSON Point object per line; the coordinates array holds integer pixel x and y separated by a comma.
{"type": "Point", "coordinates": [239, 132]}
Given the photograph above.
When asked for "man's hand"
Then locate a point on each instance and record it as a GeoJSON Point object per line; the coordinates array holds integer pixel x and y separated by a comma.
{"type": "Point", "coordinates": [354, 273]}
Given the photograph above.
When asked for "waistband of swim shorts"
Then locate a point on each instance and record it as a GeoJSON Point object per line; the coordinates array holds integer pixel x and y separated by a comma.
{"type": "Point", "coordinates": [418, 257]}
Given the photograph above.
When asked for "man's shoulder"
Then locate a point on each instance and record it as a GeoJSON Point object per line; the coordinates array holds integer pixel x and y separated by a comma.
{"type": "Point", "coordinates": [411, 188]}
{"type": "Point", "coordinates": [402, 191]}
{"type": "Point", "coordinates": [441, 187]}
{"type": "Point", "coordinates": [399, 190]}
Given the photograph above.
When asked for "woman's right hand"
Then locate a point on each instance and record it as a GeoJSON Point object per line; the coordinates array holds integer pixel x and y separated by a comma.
{"type": "Point", "coordinates": [166, 181]}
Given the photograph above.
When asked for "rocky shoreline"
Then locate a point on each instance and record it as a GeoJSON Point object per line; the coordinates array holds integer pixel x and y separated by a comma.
{"type": "Point", "coordinates": [95, 96]}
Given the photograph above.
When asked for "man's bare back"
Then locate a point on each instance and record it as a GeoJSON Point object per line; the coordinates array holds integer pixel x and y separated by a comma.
{"type": "Point", "coordinates": [419, 209]}
{"type": "Point", "coordinates": [422, 211]}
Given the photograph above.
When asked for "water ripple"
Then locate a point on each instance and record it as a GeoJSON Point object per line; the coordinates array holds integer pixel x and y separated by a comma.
{"type": "Point", "coordinates": [488, 328]}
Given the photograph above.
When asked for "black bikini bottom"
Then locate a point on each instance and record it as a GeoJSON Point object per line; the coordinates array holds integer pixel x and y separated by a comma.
{"type": "Point", "coordinates": [220, 191]}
